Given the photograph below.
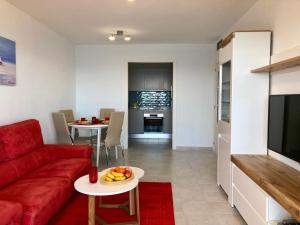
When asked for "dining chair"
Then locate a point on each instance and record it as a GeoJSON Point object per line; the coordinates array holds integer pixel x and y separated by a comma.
{"type": "Point", "coordinates": [113, 136]}
{"type": "Point", "coordinates": [105, 112]}
{"type": "Point", "coordinates": [69, 115]}
{"type": "Point", "coordinates": [63, 134]}
{"type": "Point", "coordinates": [62, 131]}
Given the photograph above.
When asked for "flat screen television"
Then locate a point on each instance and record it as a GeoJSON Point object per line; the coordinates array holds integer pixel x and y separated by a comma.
{"type": "Point", "coordinates": [284, 125]}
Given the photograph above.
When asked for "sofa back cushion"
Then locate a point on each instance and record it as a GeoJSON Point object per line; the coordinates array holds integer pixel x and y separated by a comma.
{"type": "Point", "coordinates": [19, 139]}
{"type": "Point", "coordinates": [12, 170]}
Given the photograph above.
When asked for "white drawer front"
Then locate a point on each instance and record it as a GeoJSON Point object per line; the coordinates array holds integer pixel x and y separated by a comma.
{"type": "Point", "coordinates": [224, 164]}
{"type": "Point", "coordinates": [248, 213]}
{"type": "Point", "coordinates": [256, 197]}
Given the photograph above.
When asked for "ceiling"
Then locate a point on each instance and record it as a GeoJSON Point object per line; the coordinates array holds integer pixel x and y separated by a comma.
{"type": "Point", "coordinates": [147, 21]}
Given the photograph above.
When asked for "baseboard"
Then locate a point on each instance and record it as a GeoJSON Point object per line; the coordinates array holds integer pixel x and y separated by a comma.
{"type": "Point", "coordinates": [151, 135]}
{"type": "Point", "coordinates": [183, 148]}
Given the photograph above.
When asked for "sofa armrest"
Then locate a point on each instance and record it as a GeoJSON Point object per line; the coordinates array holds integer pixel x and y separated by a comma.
{"type": "Point", "coordinates": [10, 213]}
{"type": "Point", "coordinates": [68, 151]}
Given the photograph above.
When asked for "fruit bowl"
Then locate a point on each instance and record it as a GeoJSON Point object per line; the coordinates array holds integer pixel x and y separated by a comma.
{"type": "Point", "coordinates": [117, 175]}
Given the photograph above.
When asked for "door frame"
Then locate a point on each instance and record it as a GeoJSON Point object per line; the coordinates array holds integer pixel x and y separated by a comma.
{"type": "Point", "coordinates": [174, 92]}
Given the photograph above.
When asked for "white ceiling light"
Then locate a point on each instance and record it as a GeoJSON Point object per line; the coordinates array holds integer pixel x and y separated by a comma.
{"type": "Point", "coordinates": [119, 33]}
{"type": "Point", "coordinates": [112, 37]}
{"type": "Point", "coordinates": [131, 0]}
{"type": "Point", "coordinates": [127, 38]}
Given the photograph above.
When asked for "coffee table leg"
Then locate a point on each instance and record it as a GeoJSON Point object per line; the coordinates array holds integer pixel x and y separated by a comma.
{"type": "Point", "coordinates": [100, 201]}
{"type": "Point", "coordinates": [91, 219]}
{"type": "Point", "coordinates": [132, 202]}
{"type": "Point", "coordinates": [137, 199]}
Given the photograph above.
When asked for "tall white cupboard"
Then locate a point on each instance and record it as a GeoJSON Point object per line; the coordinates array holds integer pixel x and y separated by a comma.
{"type": "Point", "coordinates": [242, 100]}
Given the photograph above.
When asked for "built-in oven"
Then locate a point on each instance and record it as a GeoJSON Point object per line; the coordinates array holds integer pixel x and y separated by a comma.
{"type": "Point", "coordinates": [153, 122]}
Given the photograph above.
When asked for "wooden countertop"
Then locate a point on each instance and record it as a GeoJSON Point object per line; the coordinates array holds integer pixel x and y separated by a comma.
{"type": "Point", "coordinates": [277, 179]}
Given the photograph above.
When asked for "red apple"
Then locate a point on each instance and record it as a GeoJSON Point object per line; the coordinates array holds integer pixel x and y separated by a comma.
{"type": "Point", "coordinates": [121, 170]}
{"type": "Point", "coordinates": [128, 172]}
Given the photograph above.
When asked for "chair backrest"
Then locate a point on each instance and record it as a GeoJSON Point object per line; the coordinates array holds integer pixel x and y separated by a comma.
{"type": "Point", "coordinates": [61, 127]}
{"type": "Point", "coordinates": [106, 112]}
{"type": "Point", "coordinates": [113, 136]}
{"type": "Point", "coordinates": [69, 115]}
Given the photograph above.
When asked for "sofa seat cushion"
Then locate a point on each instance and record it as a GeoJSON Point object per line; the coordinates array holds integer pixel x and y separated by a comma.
{"type": "Point", "coordinates": [40, 198]}
{"type": "Point", "coordinates": [71, 169]}
{"type": "Point", "coordinates": [10, 213]}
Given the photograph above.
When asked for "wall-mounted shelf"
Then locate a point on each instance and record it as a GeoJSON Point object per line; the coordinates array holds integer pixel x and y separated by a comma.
{"type": "Point", "coordinates": [285, 64]}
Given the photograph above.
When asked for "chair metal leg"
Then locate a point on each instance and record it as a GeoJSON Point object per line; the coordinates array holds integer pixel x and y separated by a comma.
{"type": "Point", "coordinates": [91, 138]}
{"type": "Point", "coordinates": [116, 151]}
{"type": "Point", "coordinates": [106, 153]}
{"type": "Point", "coordinates": [109, 158]}
{"type": "Point", "coordinates": [122, 147]}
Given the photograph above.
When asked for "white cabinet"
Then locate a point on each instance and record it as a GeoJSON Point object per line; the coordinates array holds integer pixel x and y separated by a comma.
{"type": "Point", "coordinates": [254, 205]}
{"type": "Point", "coordinates": [246, 210]}
{"type": "Point", "coordinates": [225, 92]}
{"type": "Point", "coordinates": [224, 168]}
{"type": "Point", "coordinates": [252, 194]}
{"type": "Point", "coordinates": [243, 100]}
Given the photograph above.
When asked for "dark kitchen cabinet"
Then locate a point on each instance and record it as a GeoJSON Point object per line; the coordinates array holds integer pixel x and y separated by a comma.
{"type": "Point", "coordinates": [150, 76]}
{"type": "Point", "coordinates": [167, 81]}
{"type": "Point", "coordinates": [136, 121]}
{"type": "Point", "coordinates": [167, 124]}
{"type": "Point", "coordinates": [136, 80]}
{"type": "Point", "coordinates": [154, 80]}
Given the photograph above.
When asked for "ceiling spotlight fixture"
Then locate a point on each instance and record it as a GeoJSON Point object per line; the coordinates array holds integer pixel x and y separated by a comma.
{"type": "Point", "coordinates": [127, 38]}
{"type": "Point", "coordinates": [131, 0]}
{"type": "Point", "coordinates": [119, 33]}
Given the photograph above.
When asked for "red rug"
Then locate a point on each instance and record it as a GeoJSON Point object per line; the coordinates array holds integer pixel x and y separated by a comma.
{"type": "Point", "coordinates": [156, 207]}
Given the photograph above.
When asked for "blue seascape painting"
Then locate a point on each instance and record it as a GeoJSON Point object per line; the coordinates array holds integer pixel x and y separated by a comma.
{"type": "Point", "coordinates": [7, 62]}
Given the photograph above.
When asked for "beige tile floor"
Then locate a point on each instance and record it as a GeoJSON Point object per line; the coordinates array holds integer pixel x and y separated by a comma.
{"type": "Point", "coordinates": [197, 198]}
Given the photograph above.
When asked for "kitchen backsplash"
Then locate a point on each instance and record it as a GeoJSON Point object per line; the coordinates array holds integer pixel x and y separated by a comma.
{"type": "Point", "coordinates": [150, 99]}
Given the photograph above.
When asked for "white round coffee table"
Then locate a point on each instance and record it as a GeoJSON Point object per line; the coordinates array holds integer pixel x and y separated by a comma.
{"type": "Point", "coordinates": [83, 186]}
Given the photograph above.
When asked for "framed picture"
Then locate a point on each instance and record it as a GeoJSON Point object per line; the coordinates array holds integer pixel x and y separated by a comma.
{"type": "Point", "coordinates": [7, 62]}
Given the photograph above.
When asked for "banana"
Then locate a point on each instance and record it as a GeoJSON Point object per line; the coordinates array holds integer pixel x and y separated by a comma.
{"type": "Point", "coordinates": [108, 179]}
{"type": "Point", "coordinates": [120, 178]}
{"type": "Point", "coordinates": [110, 175]}
{"type": "Point", "coordinates": [117, 174]}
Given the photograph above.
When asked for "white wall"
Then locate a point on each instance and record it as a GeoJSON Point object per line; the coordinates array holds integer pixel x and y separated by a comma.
{"type": "Point", "coordinates": [101, 81]}
{"type": "Point", "coordinates": [45, 71]}
{"type": "Point", "coordinates": [283, 18]}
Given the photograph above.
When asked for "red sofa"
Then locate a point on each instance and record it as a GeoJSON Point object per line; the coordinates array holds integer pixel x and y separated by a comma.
{"type": "Point", "coordinates": [36, 179]}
